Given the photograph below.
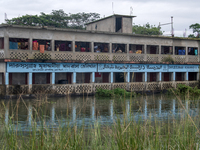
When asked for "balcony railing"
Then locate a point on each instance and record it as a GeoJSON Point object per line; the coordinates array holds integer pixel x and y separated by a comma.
{"type": "Point", "coordinates": [85, 56]}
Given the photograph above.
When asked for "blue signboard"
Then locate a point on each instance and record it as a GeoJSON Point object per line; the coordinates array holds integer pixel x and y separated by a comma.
{"type": "Point", "coordinates": [50, 67]}
{"type": "Point", "coordinates": [84, 67]}
{"type": "Point", "coordinates": [146, 68]}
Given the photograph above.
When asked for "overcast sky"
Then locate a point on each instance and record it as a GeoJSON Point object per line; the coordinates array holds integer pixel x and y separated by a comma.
{"type": "Point", "coordinates": [184, 12]}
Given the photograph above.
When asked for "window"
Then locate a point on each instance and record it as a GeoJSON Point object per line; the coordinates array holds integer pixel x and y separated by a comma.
{"type": "Point", "coordinates": [18, 43]}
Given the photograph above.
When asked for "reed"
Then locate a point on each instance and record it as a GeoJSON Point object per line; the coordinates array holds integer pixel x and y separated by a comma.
{"type": "Point", "coordinates": [124, 133]}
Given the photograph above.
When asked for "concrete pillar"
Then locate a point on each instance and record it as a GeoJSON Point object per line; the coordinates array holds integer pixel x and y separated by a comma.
{"type": "Point", "coordinates": [186, 76]}
{"type": "Point", "coordinates": [6, 45]}
{"type": "Point", "coordinates": [52, 45]}
{"type": "Point", "coordinates": [30, 75]}
{"type": "Point", "coordinates": [92, 47]}
{"type": "Point", "coordinates": [111, 77]}
{"type": "Point", "coordinates": [73, 46]}
{"type": "Point", "coordinates": [110, 47]}
{"type": "Point", "coordinates": [145, 77]}
{"type": "Point", "coordinates": [74, 77]}
{"type": "Point", "coordinates": [7, 78]}
{"type": "Point", "coordinates": [53, 78]}
{"type": "Point", "coordinates": [160, 76]}
{"type": "Point", "coordinates": [128, 77]}
{"type": "Point", "coordinates": [174, 76]}
{"type": "Point", "coordinates": [30, 44]}
{"type": "Point", "coordinates": [93, 77]}
{"type": "Point", "coordinates": [127, 48]}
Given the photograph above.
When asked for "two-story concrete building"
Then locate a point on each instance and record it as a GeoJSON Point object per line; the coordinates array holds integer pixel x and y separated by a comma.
{"type": "Point", "coordinates": [105, 55]}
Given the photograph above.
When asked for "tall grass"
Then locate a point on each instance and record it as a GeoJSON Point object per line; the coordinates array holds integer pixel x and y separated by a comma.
{"type": "Point", "coordinates": [124, 133]}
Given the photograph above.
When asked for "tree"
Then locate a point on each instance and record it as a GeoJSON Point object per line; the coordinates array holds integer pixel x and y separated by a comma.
{"type": "Point", "coordinates": [57, 18]}
{"type": "Point", "coordinates": [147, 29]}
{"type": "Point", "coordinates": [196, 29]}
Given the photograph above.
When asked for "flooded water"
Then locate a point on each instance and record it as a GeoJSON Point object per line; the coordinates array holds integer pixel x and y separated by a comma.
{"type": "Point", "coordinates": [64, 111]}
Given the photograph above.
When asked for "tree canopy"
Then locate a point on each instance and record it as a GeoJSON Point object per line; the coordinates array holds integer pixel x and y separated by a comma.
{"type": "Point", "coordinates": [196, 29]}
{"type": "Point", "coordinates": [57, 18]}
{"type": "Point", "coordinates": [147, 29]}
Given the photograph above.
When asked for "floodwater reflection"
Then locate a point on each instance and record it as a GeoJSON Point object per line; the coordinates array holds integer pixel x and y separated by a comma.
{"type": "Point", "coordinates": [79, 110]}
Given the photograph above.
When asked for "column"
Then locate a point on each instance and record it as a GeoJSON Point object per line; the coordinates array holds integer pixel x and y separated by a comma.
{"type": "Point", "coordinates": [110, 47]}
{"type": "Point", "coordinates": [74, 77]}
{"type": "Point", "coordinates": [174, 76]}
{"type": "Point", "coordinates": [128, 77]}
{"type": "Point", "coordinates": [92, 47]}
{"type": "Point", "coordinates": [186, 76]}
{"type": "Point", "coordinates": [160, 76]}
{"type": "Point", "coordinates": [30, 74]}
{"type": "Point", "coordinates": [145, 77]}
{"type": "Point", "coordinates": [73, 46]}
{"type": "Point", "coordinates": [93, 77]}
{"type": "Point", "coordinates": [30, 44]}
{"type": "Point", "coordinates": [111, 77]}
{"type": "Point", "coordinates": [52, 45]}
{"type": "Point", "coordinates": [127, 48]}
{"type": "Point", "coordinates": [53, 78]}
{"type": "Point", "coordinates": [7, 78]}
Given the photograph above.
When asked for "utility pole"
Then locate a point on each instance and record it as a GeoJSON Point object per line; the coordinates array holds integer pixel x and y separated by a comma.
{"type": "Point", "coordinates": [172, 29]}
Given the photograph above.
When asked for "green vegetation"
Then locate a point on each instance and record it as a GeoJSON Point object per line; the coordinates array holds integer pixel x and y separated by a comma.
{"type": "Point", "coordinates": [183, 89]}
{"type": "Point", "coordinates": [196, 29]}
{"type": "Point", "coordinates": [123, 134]}
{"type": "Point", "coordinates": [57, 18]}
{"type": "Point", "coordinates": [118, 92]}
{"type": "Point", "coordinates": [147, 29]}
{"type": "Point", "coordinates": [168, 59]}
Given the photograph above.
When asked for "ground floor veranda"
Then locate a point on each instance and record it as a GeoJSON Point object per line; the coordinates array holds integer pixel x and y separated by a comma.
{"type": "Point", "coordinates": [77, 78]}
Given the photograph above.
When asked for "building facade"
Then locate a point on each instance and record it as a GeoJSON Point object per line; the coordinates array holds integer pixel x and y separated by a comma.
{"type": "Point", "coordinates": [68, 61]}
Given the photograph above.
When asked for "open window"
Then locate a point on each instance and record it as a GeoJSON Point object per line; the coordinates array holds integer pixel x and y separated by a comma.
{"type": "Point", "coordinates": [1, 78]}
{"type": "Point", "coordinates": [63, 46]}
{"type": "Point", "coordinates": [119, 77]}
{"type": "Point", "coordinates": [83, 77]}
{"type": "Point", "coordinates": [42, 45]}
{"type": "Point", "coordinates": [63, 78]}
{"type": "Point", "coordinates": [1, 43]}
{"type": "Point", "coordinates": [180, 76]}
{"type": "Point", "coordinates": [118, 48]}
{"type": "Point", "coordinates": [137, 77]}
{"type": "Point", "coordinates": [102, 77]}
{"type": "Point", "coordinates": [18, 78]}
{"type": "Point", "coordinates": [19, 43]}
{"type": "Point", "coordinates": [135, 48]}
{"type": "Point", "coordinates": [82, 46]}
{"type": "Point", "coordinates": [167, 76]}
{"type": "Point", "coordinates": [101, 47]}
{"type": "Point", "coordinates": [167, 50]}
{"type": "Point", "coordinates": [118, 25]}
{"type": "Point", "coordinates": [192, 76]}
{"type": "Point", "coordinates": [192, 51]}
{"type": "Point", "coordinates": [179, 50]}
{"type": "Point", "coordinates": [152, 76]}
{"type": "Point", "coordinates": [152, 49]}
{"type": "Point", "coordinates": [41, 78]}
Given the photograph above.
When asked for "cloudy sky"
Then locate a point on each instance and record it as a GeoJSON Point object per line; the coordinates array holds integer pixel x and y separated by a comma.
{"type": "Point", "coordinates": [184, 12]}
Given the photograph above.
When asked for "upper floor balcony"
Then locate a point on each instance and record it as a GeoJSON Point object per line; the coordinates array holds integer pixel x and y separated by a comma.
{"type": "Point", "coordinates": [52, 49]}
